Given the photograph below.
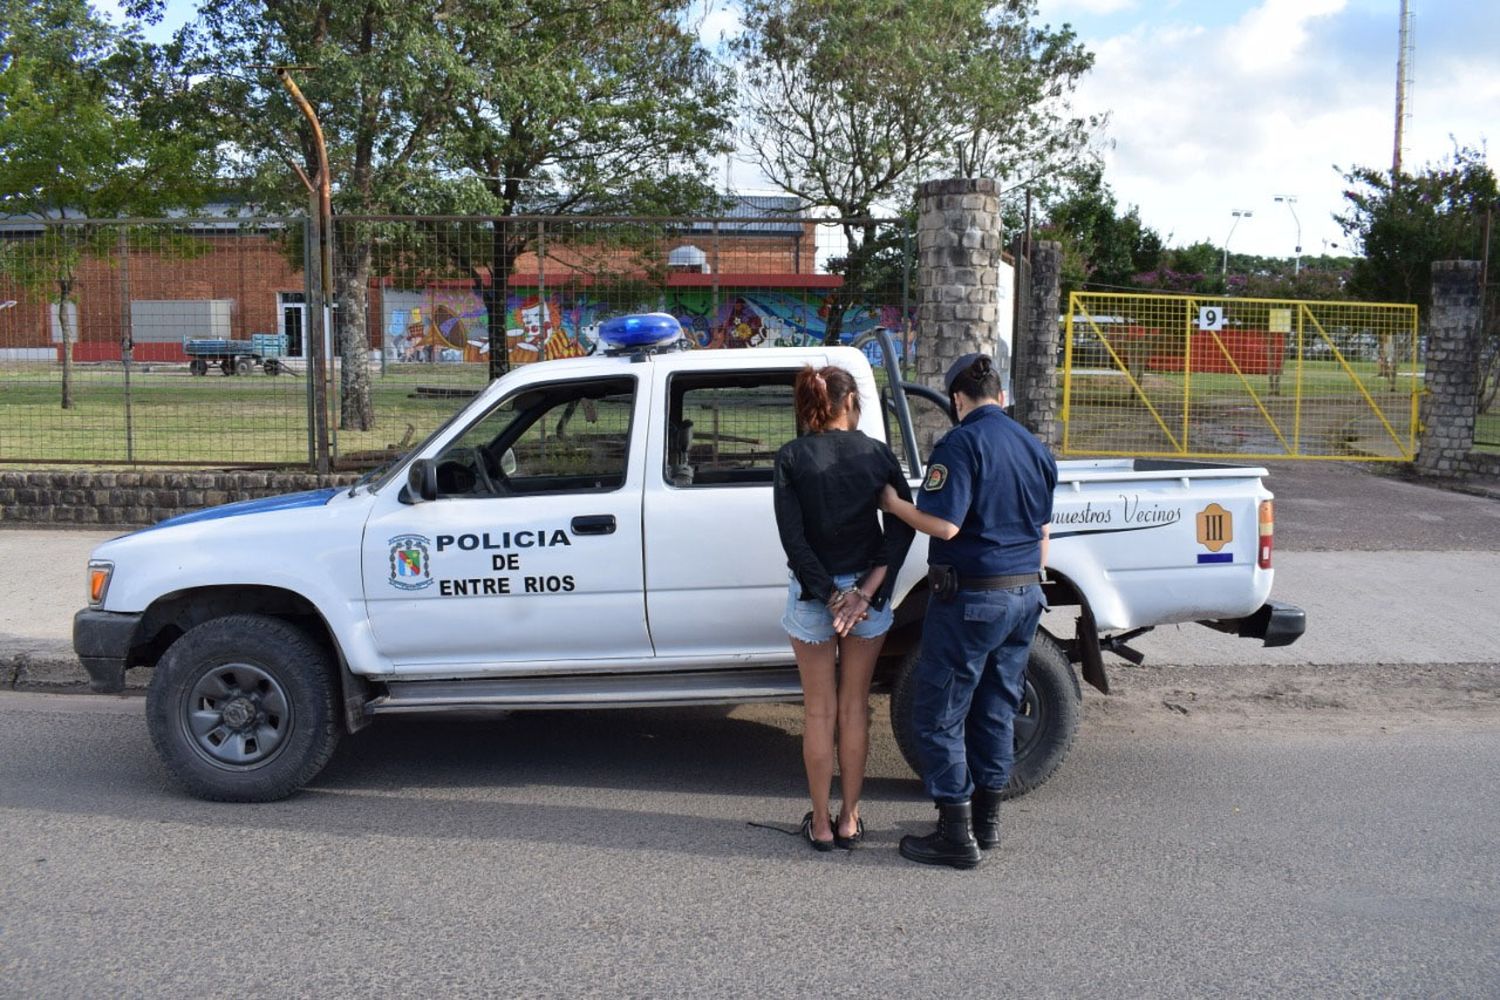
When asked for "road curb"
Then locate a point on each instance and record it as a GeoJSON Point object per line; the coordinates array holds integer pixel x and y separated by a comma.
{"type": "Point", "coordinates": [53, 671]}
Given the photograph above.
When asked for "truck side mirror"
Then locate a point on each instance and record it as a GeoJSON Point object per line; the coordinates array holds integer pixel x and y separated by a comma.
{"type": "Point", "coordinates": [421, 480]}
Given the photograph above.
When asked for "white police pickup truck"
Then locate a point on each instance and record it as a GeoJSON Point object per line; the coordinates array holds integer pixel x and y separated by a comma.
{"type": "Point", "coordinates": [598, 532]}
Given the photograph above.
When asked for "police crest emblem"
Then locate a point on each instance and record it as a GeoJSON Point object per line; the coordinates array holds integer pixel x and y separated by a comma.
{"type": "Point", "coordinates": [409, 566]}
{"type": "Point", "coordinates": [937, 476]}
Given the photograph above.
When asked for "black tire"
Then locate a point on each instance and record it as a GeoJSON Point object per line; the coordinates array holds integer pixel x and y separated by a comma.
{"type": "Point", "coordinates": [244, 366]}
{"type": "Point", "coordinates": [243, 709]}
{"type": "Point", "coordinates": [198, 366]}
{"type": "Point", "coordinates": [1045, 726]}
{"type": "Point", "coordinates": [272, 367]}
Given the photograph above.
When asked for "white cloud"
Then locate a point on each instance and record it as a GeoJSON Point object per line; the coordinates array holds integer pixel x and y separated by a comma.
{"type": "Point", "coordinates": [1060, 8]}
{"type": "Point", "coordinates": [1274, 35]}
{"type": "Point", "coordinates": [1206, 119]}
{"type": "Point", "coordinates": [719, 24]}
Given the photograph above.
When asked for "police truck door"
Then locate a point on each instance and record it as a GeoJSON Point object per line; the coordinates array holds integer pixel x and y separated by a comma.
{"type": "Point", "coordinates": [529, 559]}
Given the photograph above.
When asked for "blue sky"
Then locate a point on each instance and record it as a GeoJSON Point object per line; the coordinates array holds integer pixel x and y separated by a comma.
{"type": "Point", "coordinates": [1219, 105]}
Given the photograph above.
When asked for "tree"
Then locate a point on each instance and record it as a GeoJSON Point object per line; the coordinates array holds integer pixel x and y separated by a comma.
{"type": "Point", "coordinates": [383, 79]}
{"type": "Point", "coordinates": [1406, 222]}
{"type": "Point", "coordinates": [549, 103]}
{"type": "Point", "coordinates": [94, 125]}
{"type": "Point", "coordinates": [1402, 227]}
{"type": "Point", "coordinates": [847, 101]}
{"type": "Point", "coordinates": [612, 107]}
{"type": "Point", "coordinates": [1101, 246]}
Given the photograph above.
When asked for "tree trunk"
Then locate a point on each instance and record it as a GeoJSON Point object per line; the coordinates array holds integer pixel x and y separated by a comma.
{"type": "Point", "coordinates": [503, 252]}
{"type": "Point", "coordinates": [352, 293]}
{"type": "Point", "coordinates": [64, 299]}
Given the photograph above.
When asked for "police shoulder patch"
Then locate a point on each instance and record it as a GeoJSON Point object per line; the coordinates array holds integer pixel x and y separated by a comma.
{"type": "Point", "coordinates": [937, 478]}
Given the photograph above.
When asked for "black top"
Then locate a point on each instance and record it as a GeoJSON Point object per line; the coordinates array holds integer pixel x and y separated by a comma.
{"type": "Point", "coordinates": [827, 497]}
{"type": "Point", "coordinates": [995, 481]}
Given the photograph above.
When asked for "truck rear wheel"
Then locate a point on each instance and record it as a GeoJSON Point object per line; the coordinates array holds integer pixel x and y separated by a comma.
{"type": "Point", "coordinates": [1045, 725]}
{"type": "Point", "coordinates": [243, 709]}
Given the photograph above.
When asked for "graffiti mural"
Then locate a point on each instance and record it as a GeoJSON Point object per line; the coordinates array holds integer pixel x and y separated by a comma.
{"type": "Point", "coordinates": [447, 325]}
{"type": "Point", "coordinates": [436, 325]}
{"type": "Point", "coordinates": [539, 329]}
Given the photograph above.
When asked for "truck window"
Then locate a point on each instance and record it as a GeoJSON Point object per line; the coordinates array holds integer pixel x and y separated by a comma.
{"type": "Point", "coordinates": [724, 430]}
{"type": "Point", "coordinates": [561, 438]}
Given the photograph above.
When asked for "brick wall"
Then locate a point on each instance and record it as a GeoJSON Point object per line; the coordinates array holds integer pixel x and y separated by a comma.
{"type": "Point", "coordinates": [137, 499]}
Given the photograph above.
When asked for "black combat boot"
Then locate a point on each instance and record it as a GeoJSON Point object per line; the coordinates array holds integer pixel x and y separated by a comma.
{"type": "Point", "coordinates": [987, 817]}
{"type": "Point", "coordinates": [951, 844]}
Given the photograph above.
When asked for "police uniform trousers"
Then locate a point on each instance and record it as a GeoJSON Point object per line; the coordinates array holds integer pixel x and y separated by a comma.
{"type": "Point", "coordinates": [969, 684]}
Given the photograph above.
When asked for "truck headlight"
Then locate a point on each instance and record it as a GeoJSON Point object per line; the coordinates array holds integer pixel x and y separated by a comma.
{"type": "Point", "coordinates": [99, 574]}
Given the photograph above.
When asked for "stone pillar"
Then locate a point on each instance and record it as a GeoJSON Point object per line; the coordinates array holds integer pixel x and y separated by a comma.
{"type": "Point", "coordinates": [1451, 398]}
{"type": "Point", "coordinates": [958, 281]}
{"type": "Point", "coordinates": [1035, 384]}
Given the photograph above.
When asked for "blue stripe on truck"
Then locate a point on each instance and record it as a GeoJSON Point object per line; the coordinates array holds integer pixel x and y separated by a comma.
{"type": "Point", "coordinates": [288, 501]}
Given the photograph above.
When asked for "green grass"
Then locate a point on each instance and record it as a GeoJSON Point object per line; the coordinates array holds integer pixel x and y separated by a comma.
{"type": "Point", "coordinates": [1487, 433]}
{"type": "Point", "coordinates": [210, 420]}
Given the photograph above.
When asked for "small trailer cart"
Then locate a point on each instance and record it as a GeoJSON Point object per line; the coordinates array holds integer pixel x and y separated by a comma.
{"type": "Point", "coordinates": [237, 357]}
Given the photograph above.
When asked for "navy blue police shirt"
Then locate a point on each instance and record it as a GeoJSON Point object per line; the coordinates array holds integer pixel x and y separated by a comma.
{"type": "Point", "coordinates": [994, 480]}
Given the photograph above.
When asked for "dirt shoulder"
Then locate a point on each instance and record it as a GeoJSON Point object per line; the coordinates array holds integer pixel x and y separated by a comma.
{"type": "Point", "coordinates": [1349, 697]}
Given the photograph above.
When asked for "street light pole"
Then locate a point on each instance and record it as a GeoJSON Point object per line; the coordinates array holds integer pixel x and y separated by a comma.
{"type": "Point", "coordinates": [1238, 213]}
{"type": "Point", "coordinates": [1290, 201]}
{"type": "Point", "coordinates": [321, 290]}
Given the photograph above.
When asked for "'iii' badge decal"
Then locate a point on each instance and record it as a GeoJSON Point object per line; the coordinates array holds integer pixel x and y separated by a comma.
{"type": "Point", "coordinates": [409, 568]}
{"type": "Point", "coordinates": [1215, 527]}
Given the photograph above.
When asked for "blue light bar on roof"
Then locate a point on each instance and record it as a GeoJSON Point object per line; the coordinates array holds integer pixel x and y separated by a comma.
{"type": "Point", "coordinates": [640, 330]}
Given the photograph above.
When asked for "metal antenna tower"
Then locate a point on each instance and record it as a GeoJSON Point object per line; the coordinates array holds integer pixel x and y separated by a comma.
{"type": "Point", "coordinates": [1403, 84]}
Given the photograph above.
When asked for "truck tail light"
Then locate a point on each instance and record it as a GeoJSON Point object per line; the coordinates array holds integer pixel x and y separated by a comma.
{"type": "Point", "coordinates": [1267, 533]}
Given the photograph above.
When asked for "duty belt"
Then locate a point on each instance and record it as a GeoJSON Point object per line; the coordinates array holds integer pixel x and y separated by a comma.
{"type": "Point", "coordinates": [945, 581]}
{"type": "Point", "coordinates": [998, 582]}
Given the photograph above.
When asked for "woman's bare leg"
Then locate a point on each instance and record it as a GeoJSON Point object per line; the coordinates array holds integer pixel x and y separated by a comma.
{"type": "Point", "coordinates": [856, 666]}
{"type": "Point", "coordinates": [819, 710]}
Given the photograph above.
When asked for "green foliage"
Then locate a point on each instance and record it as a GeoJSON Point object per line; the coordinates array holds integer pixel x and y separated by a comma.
{"type": "Point", "coordinates": [1404, 224]}
{"type": "Point", "coordinates": [845, 100]}
{"type": "Point", "coordinates": [1403, 227]}
{"type": "Point", "coordinates": [1102, 248]}
{"type": "Point", "coordinates": [611, 106]}
{"type": "Point", "coordinates": [94, 124]}
{"type": "Point", "coordinates": [95, 121]}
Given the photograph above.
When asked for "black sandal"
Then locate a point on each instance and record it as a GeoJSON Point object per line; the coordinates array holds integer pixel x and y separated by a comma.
{"type": "Point", "coordinates": [849, 843]}
{"type": "Point", "coordinates": [817, 845]}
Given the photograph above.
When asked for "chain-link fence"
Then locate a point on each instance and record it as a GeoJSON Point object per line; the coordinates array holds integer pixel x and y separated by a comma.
{"type": "Point", "coordinates": [116, 340]}
{"type": "Point", "coordinates": [188, 341]}
{"type": "Point", "coordinates": [1182, 376]}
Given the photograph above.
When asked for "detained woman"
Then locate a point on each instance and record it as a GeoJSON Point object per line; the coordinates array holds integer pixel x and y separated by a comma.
{"type": "Point", "coordinates": [843, 567]}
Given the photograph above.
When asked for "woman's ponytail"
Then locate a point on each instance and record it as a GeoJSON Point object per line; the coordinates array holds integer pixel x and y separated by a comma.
{"type": "Point", "coordinates": [819, 393]}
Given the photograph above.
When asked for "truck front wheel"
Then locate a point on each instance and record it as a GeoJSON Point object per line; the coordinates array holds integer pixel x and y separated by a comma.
{"type": "Point", "coordinates": [243, 709]}
{"type": "Point", "coordinates": [1044, 726]}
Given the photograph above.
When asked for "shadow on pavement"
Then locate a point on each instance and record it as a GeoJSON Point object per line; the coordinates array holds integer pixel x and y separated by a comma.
{"type": "Point", "coordinates": [686, 781]}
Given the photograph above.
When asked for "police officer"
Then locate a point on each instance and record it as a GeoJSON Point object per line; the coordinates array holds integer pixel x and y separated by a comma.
{"type": "Point", "coordinates": [987, 503]}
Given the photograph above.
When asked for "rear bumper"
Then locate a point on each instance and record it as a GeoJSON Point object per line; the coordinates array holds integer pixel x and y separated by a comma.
{"type": "Point", "coordinates": [102, 640]}
{"type": "Point", "coordinates": [1275, 623]}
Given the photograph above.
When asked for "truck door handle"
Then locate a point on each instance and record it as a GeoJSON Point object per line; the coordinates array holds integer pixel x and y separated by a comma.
{"type": "Point", "coordinates": [594, 524]}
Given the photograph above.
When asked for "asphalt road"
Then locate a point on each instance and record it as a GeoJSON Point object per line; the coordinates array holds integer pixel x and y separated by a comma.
{"type": "Point", "coordinates": [1283, 852]}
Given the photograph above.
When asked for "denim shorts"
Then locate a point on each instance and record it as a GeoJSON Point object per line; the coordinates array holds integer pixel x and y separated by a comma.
{"type": "Point", "coordinates": [811, 621]}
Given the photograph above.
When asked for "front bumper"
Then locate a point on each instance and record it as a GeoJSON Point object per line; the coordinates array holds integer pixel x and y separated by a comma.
{"type": "Point", "coordinates": [1276, 623]}
{"type": "Point", "coordinates": [102, 640]}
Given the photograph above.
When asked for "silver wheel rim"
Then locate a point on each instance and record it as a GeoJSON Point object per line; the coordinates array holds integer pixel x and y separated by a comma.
{"type": "Point", "coordinates": [237, 716]}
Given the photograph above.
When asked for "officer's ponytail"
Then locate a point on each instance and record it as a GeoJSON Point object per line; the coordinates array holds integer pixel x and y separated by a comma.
{"type": "Point", "coordinates": [819, 394]}
{"type": "Point", "coordinates": [980, 380]}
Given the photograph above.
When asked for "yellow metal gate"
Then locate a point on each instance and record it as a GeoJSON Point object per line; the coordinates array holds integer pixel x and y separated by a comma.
{"type": "Point", "coordinates": [1181, 376]}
